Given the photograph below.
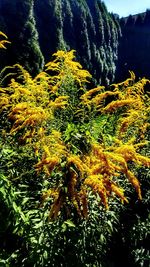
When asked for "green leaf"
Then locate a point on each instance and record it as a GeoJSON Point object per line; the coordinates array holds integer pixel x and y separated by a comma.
{"type": "Point", "coordinates": [41, 238]}
{"type": "Point", "coordinates": [70, 223]}
{"type": "Point", "coordinates": [15, 207]}
{"type": "Point", "coordinates": [110, 225]}
{"type": "Point", "coordinates": [102, 238]}
{"type": "Point", "coordinates": [38, 225]}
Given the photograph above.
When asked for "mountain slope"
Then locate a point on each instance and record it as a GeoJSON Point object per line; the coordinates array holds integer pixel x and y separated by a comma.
{"type": "Point", "coordinates": [83, 25]}
{"type": "Point", "coordinates": [134, 46]}
{"type": "Point", "coordinates": [17, 21]}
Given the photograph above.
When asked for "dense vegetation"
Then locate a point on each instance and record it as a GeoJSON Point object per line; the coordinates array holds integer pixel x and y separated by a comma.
{"type": "Point", "coordinates": [68, 156]}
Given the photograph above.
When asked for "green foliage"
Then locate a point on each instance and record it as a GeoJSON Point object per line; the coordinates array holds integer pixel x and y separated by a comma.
{"type": "Point", "coordinates": [140, 240]}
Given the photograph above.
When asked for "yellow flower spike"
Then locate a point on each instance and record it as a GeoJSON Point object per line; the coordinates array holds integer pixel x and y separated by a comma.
{"type": "Point", "coordinates": [56, 134]}
{"type": "Point", "coordinates": [48, 164]}
{"type": "Point", "coordinates": [52, 192]}
{"type": "Point", "coordinates": [46, 150]}
{"type": "Point", "coordinates": [119, 192]}
{"type": "Point", "coordinates": [41, 132]}
{"type": "Point", "coordinates": [131, 118]}
{"type": "Point", "coordinates": [4, 42]}
{"type": "Point", "coordinates": [96, 169]}
{"type": "Point", "coordinates": [65, 66]}
{"type": "Point", "coordinates": [4, 103]}
{"type": "Point", "coordinates": [128, 152]}
{"type": "Point", "coordinates": [117, 163]}
{"type": "Point", "coordinates": [3, 34]}
{"type": "Point", "coordinates": [36, 151]}
{"type": "Point", "coordinates": [53, 66]}
{"type": "Point", "coordinates": [73, 159]}
{"type": "Point", "coordinates": [19, 107]}
{"type": "Point", "coordinates": [28, 135]}
{"type": "Point", "coordinates": [61, 98]}
{"type": "Point", "coordinates": [62, 54]}
{"type": "Point", "coordinates": [118, 104]}
{"type": "Point", "coordinates": [59, 102]}
{"type": "Point", "coordinates": [89, 94]}
{"type": "Point", "coordinates": [143, 160]}
{"type": "Point", "coordinates": [101, 97]}
{"type": "Point", "coordinates": [97, 186]}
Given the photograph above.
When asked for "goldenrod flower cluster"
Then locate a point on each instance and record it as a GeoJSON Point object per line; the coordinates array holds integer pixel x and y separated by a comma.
{"type": "Point", "coordinates": [34, 107]}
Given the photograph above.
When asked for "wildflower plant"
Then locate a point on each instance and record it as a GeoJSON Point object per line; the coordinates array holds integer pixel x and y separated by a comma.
{"type": "Point", "coordinates": [4, 40]}
{"type": "Point", "coordinates": [83, 141]}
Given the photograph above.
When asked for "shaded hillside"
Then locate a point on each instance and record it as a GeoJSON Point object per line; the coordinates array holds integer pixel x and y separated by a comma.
{"type": "Point", "coordinates": [83, 25]}
{"type": "Point", "coordinates": [17, 21]}
{"type": "Point", "coordinates": [134, 46]}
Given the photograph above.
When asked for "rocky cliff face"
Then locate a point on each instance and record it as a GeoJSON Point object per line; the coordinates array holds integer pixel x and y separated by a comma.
{"type": "Point", "coordinates": [39, 28]}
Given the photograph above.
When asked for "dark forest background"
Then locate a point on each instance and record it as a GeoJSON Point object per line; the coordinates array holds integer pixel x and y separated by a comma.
{"type": "Point", "coordinates": [106, 45]}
